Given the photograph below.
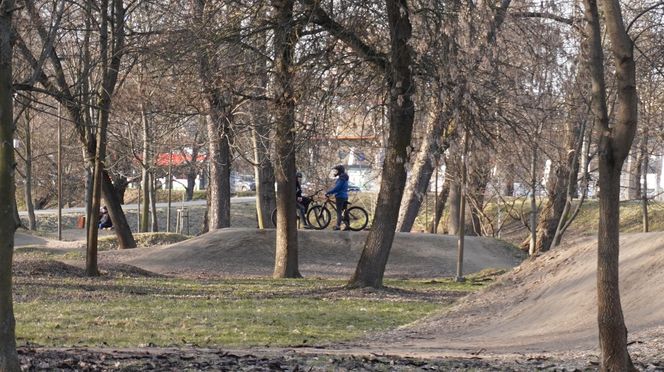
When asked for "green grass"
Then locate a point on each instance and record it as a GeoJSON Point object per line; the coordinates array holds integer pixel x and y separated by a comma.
{"type": "Point", "coordinates": [142, 240]}
{"type": "Point", "coordinates": [125, 312]}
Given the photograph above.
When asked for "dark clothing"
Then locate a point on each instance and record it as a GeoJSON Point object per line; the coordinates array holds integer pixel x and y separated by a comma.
{"type": "Point", "coordinates": [341, 208]}
{"type": "Point", "coordinates": [105, 221]}
{"type": "Point", "coordinates": [302, 203]}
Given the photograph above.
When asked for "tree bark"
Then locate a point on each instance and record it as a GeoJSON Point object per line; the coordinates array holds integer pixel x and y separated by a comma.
{"type": "Point", "coordinates": [120, 225]}
{"type": "Point", "coordinates": [286, 258]}
{"type": "Point", "coordinates": [218, 130]}
{"type": "Point", "coordinates": [8, 357]}
{"type": "Point", "coordinates": [371, 266]}
{"type": "Point", "coordinates": [145, 172]}
{"type": "Point", "coordinates": [614, 145]}
{"type": "Point", "coordinates": [421, 174]}
{"type": "Point", "coordinates": [32, 221]}
{"type": "Point", "coordinates": [153, 204]}
{"type": "Point", "coordinates": [440, 205]}
{"type": "Point", "coordinates": [260, 135]}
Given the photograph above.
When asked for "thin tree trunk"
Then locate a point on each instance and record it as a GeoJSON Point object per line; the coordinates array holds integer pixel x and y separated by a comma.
{"type": "Point", "coordinates": [32, 221]}
{"type": "Point", "coordinates": [153, 204]}
{"type": "Point", "coordinates": [644, 193]}
{"type": "Point", "coordinates": [614, 145]}
{"type": "Point", "coordinates": [145, 172]}
{"type": "Point", "coordinates": [371, 267]}
{"type": "Point", "coordinates": [440, 205]}
{"type": "Point", "coordinates": [120, 225]}
{"type": "Point", "coordinates": [260, 135]}
{"type": "Point", "coordinates": [218, 131]}
{"type": "Point", "coordinates": [533, 200]}
{"type": "Point", "coordinates": [111, 52]}
{"type": "Point", "coordinates": [265, 194]}
{"type": "Point", "coordinates": [286, 257]}
{"type": "Point", "coordinates": [8, 357]}
{"type": "Point", "coordinates": [421, 174]}
{"type": "Point", "coordinates": [559, 191]}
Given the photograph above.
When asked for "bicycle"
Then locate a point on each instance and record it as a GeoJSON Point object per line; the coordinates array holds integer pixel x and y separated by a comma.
{"type": "Point", "coordinates": [319, 216]}
{"type": "Point", "coordinates": [308, 202]}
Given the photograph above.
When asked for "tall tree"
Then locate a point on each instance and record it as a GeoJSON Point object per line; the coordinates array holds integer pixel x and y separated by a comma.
{"type": "Point", "coordinates": [614, 144]}
{"type": "Point", "coordinates": [8, 356]}
{"type": "Point", "coordinates": [218, 104]}
{"type": "Point", "coordinates": [75, 95]}
{"type": "Point", "coordinates": [285, 38]}
{"type": "Point", "coordinates": [398, 75]}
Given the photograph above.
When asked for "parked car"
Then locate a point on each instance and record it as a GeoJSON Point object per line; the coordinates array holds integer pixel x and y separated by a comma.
{"type": "Point", "coordinates": [242, 183]}
{"type": "Point", "coordinates": [353, 187]}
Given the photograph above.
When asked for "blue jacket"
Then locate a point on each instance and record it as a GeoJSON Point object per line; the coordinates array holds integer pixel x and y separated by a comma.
{"type": "Point", "coordinates": [340, 189]}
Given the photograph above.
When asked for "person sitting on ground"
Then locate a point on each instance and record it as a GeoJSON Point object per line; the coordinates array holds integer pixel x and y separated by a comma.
{"type": "Point", "coordinates": [340, 192]}
{"type": "Point", "coordinates": [302, 201]}
{"type": "Point", "coordinates": [104, 219]}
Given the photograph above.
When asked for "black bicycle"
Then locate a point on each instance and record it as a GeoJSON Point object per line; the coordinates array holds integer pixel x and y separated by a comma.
{"type": "Point", "coordinates": [320, 216]}
{"type": "Point", "coordinates": [307, 202]}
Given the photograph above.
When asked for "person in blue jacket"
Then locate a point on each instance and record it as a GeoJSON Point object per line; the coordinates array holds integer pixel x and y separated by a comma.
{"type": "Point", "coordinates": [340, 192]}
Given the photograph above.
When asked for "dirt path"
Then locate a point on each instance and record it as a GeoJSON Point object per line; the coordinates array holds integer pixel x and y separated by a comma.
{"type": "Point", "coordinates": [541, 315]}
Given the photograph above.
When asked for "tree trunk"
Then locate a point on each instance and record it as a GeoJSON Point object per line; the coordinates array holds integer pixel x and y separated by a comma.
{"type": "Point", "coordinates": [422, 171]}
{"type": "Point", "coordinates": [218, 131]}
{"type": "Point", "coordinates": [32, 221]}
{"type": "Point", "coordinates": [371, 267]}
{"type": "Point", "coordinates": [111, 55]}
{"type": "Point", "coordinates": [120, 225]}
{"type": "Point", "coordinates": [120, 183]}
{"type": "Point", "coordinates": [558, 187]}
{"type": "Point", "coordinates": [260, 135]}
{"type": "Point", "coordinates": [634, 176]}
{"type": "Point", "coordinates": [644, 193]}
{"type": "Point", "coordinates": [285, 37]}
{"type": "Point", "coordinates": [145, 172]}
{"type": "Point", "coordinates": [8, 357]}
{"type": "Point", "coordinates": [153, 204]}
{"type": "Point", "coordinates": [478, 179]}
{"type": "Point", "coordinates": [614, 145]}
{"type": "Point", "coordinates": [454, 203]}
{"type": "Point", "coordinates": [265, 195]}
{"type": "Point", "coordinates": [440, 205]}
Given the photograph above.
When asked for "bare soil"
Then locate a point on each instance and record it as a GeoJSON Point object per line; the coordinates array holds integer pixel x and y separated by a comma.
{"type": "Point", "coordinates": [539, 316]}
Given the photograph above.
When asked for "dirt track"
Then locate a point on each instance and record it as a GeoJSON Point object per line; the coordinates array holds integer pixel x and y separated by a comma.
{"type": "Point", "coordinates": [542, 310]}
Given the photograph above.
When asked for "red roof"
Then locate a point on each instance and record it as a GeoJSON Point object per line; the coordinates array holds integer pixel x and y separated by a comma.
{"type": "Point", "coordinates": [177, 159]}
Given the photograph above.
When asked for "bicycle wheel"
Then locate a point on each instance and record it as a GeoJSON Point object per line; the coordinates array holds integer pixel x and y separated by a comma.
{"type": "Point", "coordinates": [274, 217]}
{"type": "Point", "coordinates": [318, 217]}
{"type": "Point", "coordinates": [356, 218]}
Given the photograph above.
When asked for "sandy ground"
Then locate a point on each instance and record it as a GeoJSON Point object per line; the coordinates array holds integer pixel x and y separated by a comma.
{"type": "Point", "coordinates": [544, 308]}
{"type": "Point", "coordinates": [250, 252]}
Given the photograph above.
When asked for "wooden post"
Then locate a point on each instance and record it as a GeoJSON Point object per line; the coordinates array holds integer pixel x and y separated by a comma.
{"type": "Point", "coordinates": [462, 211]}
{"type": "Point", "coordinates": [59, 172]}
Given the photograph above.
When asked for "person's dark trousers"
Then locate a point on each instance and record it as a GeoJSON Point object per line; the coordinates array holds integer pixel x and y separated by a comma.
{"type": "Point", "coordinates": [342, 203]}
{"type": "Point", "coordinates": [303, 211]}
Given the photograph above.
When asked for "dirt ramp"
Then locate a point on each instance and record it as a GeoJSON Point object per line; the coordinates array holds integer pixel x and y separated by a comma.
{"type": "Point", "coordinates": [549, 304]}
{"type": "Point", "coordinates": [250, 252]}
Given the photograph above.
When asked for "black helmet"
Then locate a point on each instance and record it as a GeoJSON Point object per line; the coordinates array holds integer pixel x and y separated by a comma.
{"type": "Point", "coordinates": [298, 175]}
{"type": "Point", "coordinates": [339, 168]}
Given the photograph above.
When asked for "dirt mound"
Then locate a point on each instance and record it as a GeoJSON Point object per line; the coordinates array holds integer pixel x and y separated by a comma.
{"type": "Point", "coordinates": [49, 268]}
{"type": "Point", "coordinates": [549, 305]}
{"type": "Point", "coordinates": [250, 252]}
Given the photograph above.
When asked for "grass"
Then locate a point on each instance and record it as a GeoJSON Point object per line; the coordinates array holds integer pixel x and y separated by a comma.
{"type": "Point", "coordinates": [126, 312]}
{"type": "Point", "coordinates": [142, 240]}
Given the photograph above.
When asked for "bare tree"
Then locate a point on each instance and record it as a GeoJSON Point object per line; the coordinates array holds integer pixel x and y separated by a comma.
{"type": "Point", "coordinates": [8, 356]}
{"type": "Point", "coordinates": [614, 144]}
{"type": "Point", "coordinates": [285, 38]}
